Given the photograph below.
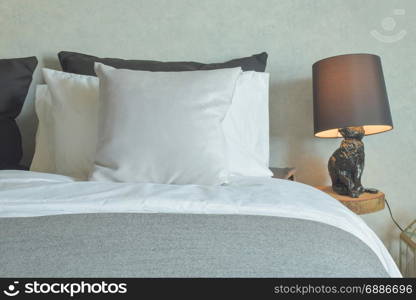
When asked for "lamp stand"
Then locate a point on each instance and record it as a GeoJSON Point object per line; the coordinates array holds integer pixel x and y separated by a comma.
{"type": "Point", "coordinates": [346, 165]}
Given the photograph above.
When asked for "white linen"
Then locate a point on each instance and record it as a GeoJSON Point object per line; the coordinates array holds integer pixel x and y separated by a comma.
{"type": "Point", "coordinates": [70, 118]}
{"type": "Point", "coordinates": [163, 127]}
{"type": "Point", "coordinates": [24, 194]}
{"type": "Point", "coordinates": [246, 126]}
{"type": "Point", "coordinates": [72, 130]}
{"type": "Point", "coordinates": [44, 157]}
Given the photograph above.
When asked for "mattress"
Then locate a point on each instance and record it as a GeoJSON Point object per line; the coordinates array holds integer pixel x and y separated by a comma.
{"type": "Point", "coordinates": [54, 226]}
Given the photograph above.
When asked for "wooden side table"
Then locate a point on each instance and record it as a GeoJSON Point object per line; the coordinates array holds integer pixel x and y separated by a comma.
{"type": "Point", "coordinates": [365, 204]}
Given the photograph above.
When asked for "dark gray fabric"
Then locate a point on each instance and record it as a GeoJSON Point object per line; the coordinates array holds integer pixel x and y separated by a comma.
{"type": "Point", "coordinates": [10, 144]}
{"type": "Point", "coordinates": [83, 64]}
{"type": "Point", "coordinates": [175, 245]}
{"type": "Point", "coordinates": [15, 78]}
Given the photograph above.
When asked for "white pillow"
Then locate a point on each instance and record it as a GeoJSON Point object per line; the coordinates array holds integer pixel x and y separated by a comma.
{"type": "Point", "coordinates": [44, 157]}
{"type": "Point", "coordinates": [163, 127]}
{"type": "Point", "coordinates": [246, 125]}
{"type": "Point", "coordinates": [74, 121]}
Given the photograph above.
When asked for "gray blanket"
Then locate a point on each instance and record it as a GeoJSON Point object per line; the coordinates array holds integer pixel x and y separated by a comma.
{"type": "Point", "coordinates": [180, 245]}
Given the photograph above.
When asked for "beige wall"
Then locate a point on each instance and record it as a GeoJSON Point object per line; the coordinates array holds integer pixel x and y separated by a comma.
{"type": "Point", "coordinates": [295, 33]}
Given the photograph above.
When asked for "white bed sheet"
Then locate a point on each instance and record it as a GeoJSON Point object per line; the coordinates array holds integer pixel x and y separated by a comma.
{"type": "Point", "coordinates": [24, 194]}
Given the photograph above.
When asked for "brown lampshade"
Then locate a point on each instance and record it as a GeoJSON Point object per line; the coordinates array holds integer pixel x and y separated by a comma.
{"type": "Point", "coordinates": [349, 90]}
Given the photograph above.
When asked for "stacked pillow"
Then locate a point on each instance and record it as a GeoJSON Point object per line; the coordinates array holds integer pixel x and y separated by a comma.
{"type": "Point", "coordinates": [83, 64]}
{"type": "Point", "coordinates": [15, 78]}
{"type": "Point", "coordinates": [164, 127]}
{"type": "Point", "coordinates": [67, 109]}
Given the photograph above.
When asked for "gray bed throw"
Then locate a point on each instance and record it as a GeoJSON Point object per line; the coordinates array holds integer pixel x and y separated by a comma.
{"type": "Point", "coordinates": [180, 245]}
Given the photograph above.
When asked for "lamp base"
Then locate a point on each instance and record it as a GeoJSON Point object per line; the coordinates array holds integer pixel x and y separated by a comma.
{"type": "Point", "coordinates": [346, 165]}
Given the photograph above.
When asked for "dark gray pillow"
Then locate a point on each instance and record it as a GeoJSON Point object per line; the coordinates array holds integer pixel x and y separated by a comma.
{"type": "Point", "coordinates": [15, 78]}
{"type": "Point", "coordinates": [83, 64]}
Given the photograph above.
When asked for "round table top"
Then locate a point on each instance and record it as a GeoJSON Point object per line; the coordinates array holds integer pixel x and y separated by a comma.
{"type": "Point", "coordinates": [366, 203]}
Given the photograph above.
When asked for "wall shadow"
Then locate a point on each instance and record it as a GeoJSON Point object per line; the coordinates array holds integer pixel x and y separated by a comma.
{"type": "Point", "coordinates": [291, 131]}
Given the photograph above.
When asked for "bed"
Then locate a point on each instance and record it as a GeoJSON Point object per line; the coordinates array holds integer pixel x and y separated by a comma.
{"type": "Point", "coordinates": [55, 226]}
{"type": "Point", "coordinates": [161, 169]}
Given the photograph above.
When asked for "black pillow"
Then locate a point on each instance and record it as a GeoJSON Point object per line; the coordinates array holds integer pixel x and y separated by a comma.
{"type": "Point", "coordinates": [15, 78]}
{"type": "Point", "coordinates": [83, 64]}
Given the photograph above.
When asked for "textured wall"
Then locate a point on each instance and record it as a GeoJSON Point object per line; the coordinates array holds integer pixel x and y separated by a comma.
{"type": "Point", "coordinates": [295, 33]}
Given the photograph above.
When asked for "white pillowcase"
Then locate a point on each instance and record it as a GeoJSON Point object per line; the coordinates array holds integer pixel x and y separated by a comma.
{"type": "Point", "coordinates": [44, 157]}
{"type": "Point", "coordinates": [163, 127]}
{"type": "Point", "coordinates": [74, 112]}
{"type": "Point", "coordinates": [246, 125]}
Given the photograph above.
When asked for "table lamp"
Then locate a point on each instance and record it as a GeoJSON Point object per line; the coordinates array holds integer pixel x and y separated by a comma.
{"type": "Point", "coordinates": [349, 101]}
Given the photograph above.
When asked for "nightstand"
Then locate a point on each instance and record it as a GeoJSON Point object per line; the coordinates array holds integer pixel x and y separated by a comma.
{"type": "Point", "coordinates": [284, 173]}
{"type": "Point", "coordinates": [365, 204]}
